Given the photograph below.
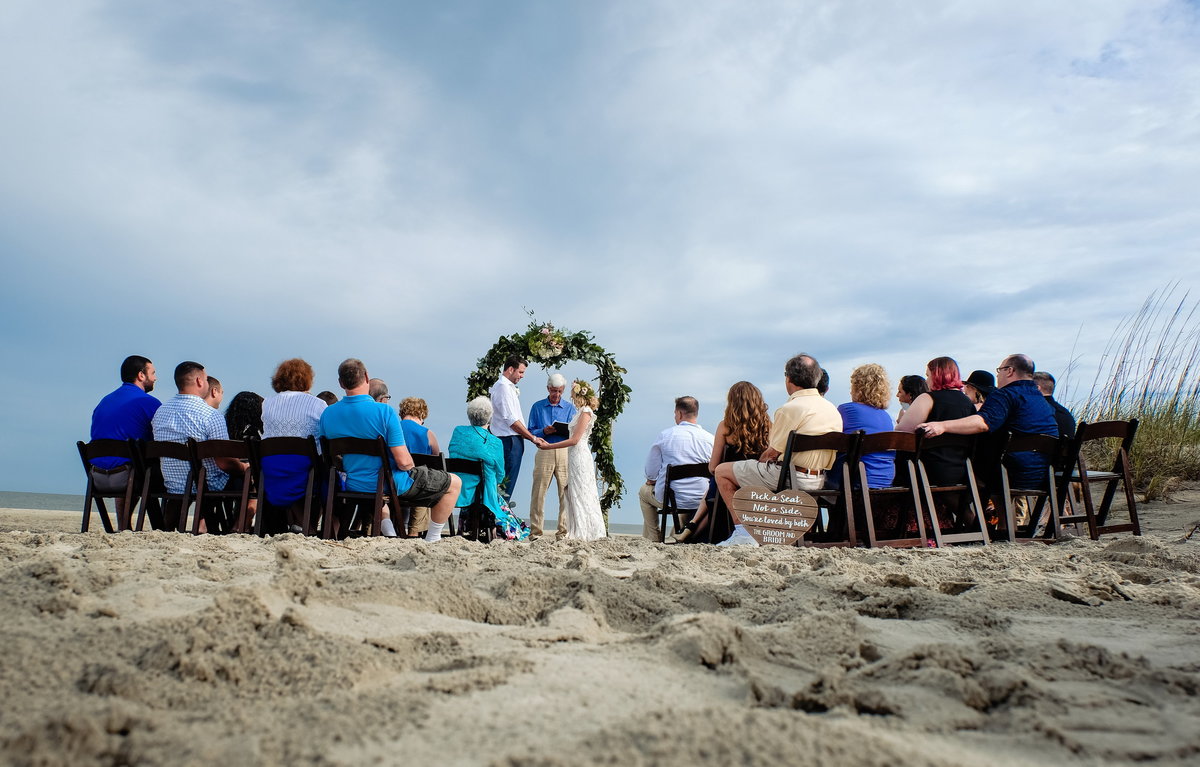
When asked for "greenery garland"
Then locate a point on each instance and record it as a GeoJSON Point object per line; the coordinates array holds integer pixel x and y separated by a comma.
{"type": "Point", "coordinates": [548, 346]}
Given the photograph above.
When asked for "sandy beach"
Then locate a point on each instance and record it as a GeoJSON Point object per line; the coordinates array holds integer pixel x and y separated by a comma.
{"type": "Point", "coordinates": [159, 648]}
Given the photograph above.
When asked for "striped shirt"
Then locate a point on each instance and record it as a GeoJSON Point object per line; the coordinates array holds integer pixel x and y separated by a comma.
{"type": "Point", "coordinates": [183, 416]}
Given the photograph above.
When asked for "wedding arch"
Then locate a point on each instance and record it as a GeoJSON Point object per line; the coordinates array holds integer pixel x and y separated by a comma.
{"type": "Point", "coordinates": [551, 347]}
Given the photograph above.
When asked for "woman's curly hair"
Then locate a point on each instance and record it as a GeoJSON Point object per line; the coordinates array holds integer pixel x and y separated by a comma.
{"type": "Point", "coordinates": [869, 385]}
{"type": "Point", "coordinates": [747, 422]}
{"type": "Point", "coordinates": [243, 417]}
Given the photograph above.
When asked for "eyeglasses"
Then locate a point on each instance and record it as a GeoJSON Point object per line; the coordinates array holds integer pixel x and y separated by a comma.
{"type": "Point", "coordinates": [1006, 367]}
{"type": "Point", "coordinates": [386, 397]}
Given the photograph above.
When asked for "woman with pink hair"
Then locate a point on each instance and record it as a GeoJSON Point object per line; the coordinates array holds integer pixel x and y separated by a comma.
{"type": "Point", "coordinates": [944, 401]}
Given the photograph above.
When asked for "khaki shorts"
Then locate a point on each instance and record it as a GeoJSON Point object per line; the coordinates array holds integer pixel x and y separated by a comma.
{"type": "Point", "coordinates": [758, 474]}
{"type": "Point", "coordinates": [428, 487]}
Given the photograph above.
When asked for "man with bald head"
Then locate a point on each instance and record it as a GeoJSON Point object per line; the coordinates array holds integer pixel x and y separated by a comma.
{"type": "Point", "coordinates": [1017, 406]}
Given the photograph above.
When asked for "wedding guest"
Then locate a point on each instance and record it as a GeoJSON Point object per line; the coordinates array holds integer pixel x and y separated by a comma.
{"type": "Point", "coordinates": [805, 412]}
{"type": "Point", "coordinates": [870, 393]}
{"type": "Point", "coordinates": [474, 442]}
{"type": "Point", "coordinates": [944, 400]}
{"type": "Point", "coordinates": [741, 435]}
{"type": "Point", "coordinates": [216, 393]}
{"type": "Point", "coordinates": [420, 439]}
{"type": "Point", "coordinates": [188, 415]}
{"type": "Point", "coordinates": [243, 416]}
{"type": "Point", "coordinates": [823, 383]}
{"type": "Point", "coordinates": [978, 386]}
{"type": "Point", "coordinates": [506, 422]}
{"type": "Point", "coordinates": [327, 397]}
{"type": "Point", "coordinates": [292, 412]}
{"type": "Point", "coordinates": [685, 442]}
{"type": "Point", "coordinates": [123, 414]}
{"type": "Point", "coordinates": [358, 415]}
{"type": "Point", "coordinates": [1016, 406]}
{"type": "Point", "coordinates": [378, 390]}
{"type": "Point", "coordinates": [909, 389]}
{"type": "Point", "coordinates": [1062, 416]}
{"type": "Point", "coordinates": [549, 464]}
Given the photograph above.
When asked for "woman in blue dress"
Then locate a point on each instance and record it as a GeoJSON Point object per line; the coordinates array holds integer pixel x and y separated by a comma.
{"type": "Point", "coordinates": [476, 443]}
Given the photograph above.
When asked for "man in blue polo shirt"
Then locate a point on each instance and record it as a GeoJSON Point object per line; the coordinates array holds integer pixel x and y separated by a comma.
{"type": "Point", "coordinates": [124, 414]}
{"type": "Point", "coordinates": [1016, 405]}
{"type": "Point", "coordinates": [358, 415]}
{"type": "Point", "coordinates": [549, 464]}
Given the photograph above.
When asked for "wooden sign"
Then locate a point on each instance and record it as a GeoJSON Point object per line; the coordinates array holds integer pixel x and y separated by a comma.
{"type": "Point", "coordinates": [771, 517]}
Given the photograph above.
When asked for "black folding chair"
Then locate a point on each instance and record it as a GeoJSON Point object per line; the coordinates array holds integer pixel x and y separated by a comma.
{"type": "Point", "coordinates": [905, 501]}
{"type": "Point", "coordinates": [431, 461]}
{"type": "Point", "coordinates": [480, 523]}
{"type": "Point", "coordinates": [670, 505]}
{"type": "Point", "coordinates": [277, 517]}
{"type": "Point", "coordinates": [174, 505]}
{"type": "Point", "coordinates": [1043, 522]}
{"type": "Point", "coordinates": [334, 451]}
{"type": "Point", "coordinates": [966, 523]}
{"type": "Point", "coordinates": [226, 510]}
{"type": "Point", "coordinates": [840, 528]}
{"type": "Point", "coordinates": [1120, 475]}
{"type": "Point", "coordinates": [123, 500]}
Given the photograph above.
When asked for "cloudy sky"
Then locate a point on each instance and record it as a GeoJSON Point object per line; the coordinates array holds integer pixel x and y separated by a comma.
{"type": "Point", "coordinates": [708, 187]}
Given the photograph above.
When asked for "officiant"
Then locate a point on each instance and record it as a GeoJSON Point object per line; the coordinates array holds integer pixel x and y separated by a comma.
{"type": "Point", "coordinates": [550, 464]}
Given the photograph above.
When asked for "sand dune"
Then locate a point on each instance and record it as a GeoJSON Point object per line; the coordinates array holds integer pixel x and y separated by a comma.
{"type": "Point", "coordinates": [165, 649]}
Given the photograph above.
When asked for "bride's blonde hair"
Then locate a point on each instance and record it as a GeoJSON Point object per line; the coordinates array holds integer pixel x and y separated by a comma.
{"type": "Point", "coordinates": [583, 395]}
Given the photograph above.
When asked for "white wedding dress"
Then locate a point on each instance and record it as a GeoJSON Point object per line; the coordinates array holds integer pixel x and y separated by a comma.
{"type": "Point", "coordinates": [584, 521]}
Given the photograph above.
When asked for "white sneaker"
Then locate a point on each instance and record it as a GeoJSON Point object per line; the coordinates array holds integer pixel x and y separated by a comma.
{"type": "Point", "coordinates": [389, 530]}
{"type": "Point", "coordinates": [739, 538]}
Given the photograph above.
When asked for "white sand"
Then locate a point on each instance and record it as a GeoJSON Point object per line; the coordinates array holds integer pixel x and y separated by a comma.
{"type": "Point", "coordinates": [161, 648]}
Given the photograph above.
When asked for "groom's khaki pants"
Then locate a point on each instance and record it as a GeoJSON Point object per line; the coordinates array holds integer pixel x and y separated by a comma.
{"type": "Point", "coordinates": [548, 465]}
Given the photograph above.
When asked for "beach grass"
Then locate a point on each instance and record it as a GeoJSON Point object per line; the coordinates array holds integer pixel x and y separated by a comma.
{"type": "Point", "coordinates": [1150, 370]}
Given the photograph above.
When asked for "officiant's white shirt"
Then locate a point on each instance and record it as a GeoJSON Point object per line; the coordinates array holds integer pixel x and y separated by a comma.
{"type": "Point", "coordinates": [506, 407]}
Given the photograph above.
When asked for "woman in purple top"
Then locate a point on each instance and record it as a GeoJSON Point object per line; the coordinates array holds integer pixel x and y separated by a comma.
{"type": "Point", "coordinates": [870, 392]}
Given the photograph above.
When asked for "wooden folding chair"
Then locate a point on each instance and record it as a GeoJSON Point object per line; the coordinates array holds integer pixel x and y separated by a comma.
{"type": "Point", "coordinates": [385, 486]}
{"type": "Point", "coordinates": [1120, 474]}
{"type": "Point", "coordinates": [123, 500]}
{"type": "Point", "coordinates": [431, 461]}
{"type": "Point", "coordinates": [962, 528]}
{"type": "Point", "coordinates": [906, 500]}
{"type": "Point", "coordinates": [1044, 515]}
{"type": "Point", "coordinates": [838, 526]}
{"type": "Point", "coordinates": [224, 510]}
{"type": "Point", "coordinates": [154, 488]}
{"type": "Point", "coordinates": [670, 505]}
{"type": "Point", "coordinates": [475, 526]}
{"type": "Point", "coordinates": [302, 448]}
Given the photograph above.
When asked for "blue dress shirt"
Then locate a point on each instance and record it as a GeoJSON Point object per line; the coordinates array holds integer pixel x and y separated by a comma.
{"type": "Point", "coordinates": [543, 414]}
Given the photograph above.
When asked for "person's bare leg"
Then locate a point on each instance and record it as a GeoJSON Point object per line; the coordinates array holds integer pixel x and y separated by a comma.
{"type": "Point", "coordinates": [727, 486]}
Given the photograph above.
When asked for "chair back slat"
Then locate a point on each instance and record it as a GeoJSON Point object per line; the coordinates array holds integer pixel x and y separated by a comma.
{"type": "Point", "coordinates": [273, 446]}
{"type": "Point", "coordinates": [886, 441]}
{"type": "Point", "coordinates": [107, 448]}
{"type": "Point", "coordinates": [465, 466]}
{"type": "Point", "coordinates": [431, 461]}
{"type": "Point", "coordinates": [1033, 443]}
{"type": "Point", "coordinates": [222, 448]}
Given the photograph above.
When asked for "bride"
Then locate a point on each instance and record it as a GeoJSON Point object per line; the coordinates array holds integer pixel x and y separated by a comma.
{"type": "Point", "coordinates": [584, 521]}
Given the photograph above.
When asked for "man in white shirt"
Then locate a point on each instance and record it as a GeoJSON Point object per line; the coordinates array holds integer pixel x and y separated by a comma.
{"type": "Point", "coordinates": [685, 442]}
{"type": "Point", "coordinates": [506, 421]}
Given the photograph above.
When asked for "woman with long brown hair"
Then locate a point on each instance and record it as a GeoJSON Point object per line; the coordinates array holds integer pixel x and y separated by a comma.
{"type": "Point", "coordinates": [743, 431]}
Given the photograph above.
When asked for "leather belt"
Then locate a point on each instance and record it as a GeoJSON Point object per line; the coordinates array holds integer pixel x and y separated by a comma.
{"type": "Point", "coordinates": [802, 470]}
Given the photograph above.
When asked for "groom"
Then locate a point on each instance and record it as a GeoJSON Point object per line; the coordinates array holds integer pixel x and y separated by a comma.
{"type": "Point", "coordinates": [506, 421]}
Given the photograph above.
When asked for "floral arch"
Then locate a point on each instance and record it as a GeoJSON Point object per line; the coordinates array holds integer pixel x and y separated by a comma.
{"type": "Point", "coordinates": [549, 346]}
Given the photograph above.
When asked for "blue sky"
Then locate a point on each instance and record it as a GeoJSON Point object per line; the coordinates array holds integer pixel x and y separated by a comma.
{"type": "Point", "coordinates": [707, 187]}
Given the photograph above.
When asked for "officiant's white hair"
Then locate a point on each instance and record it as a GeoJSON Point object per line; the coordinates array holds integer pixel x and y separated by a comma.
{"type": "Point", "coordinates": [556, 380]}
{"type": "Point", "coordinates": [479, 411]}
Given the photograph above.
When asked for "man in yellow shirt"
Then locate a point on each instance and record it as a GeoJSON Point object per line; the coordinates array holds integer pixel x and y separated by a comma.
{"type": "Point", "coordinates": [805, 412]}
